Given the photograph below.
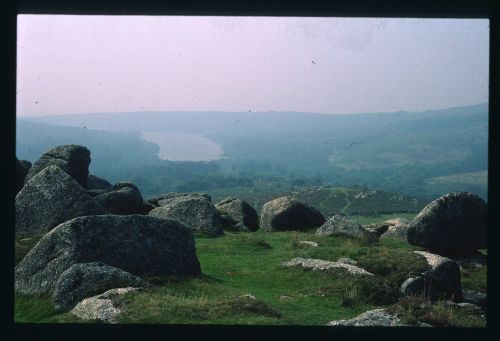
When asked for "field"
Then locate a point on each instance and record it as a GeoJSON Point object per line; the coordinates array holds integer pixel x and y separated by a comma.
{"type": "Point", "coordinates": [243, 282]}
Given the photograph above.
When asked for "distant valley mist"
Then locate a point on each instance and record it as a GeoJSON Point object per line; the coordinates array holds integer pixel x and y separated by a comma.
{"type": "Point", "coordinates": [425, 154]}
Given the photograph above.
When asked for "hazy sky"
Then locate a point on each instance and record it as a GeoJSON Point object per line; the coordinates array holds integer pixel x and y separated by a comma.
{"type": "Point", "coordinates": [81, 64]}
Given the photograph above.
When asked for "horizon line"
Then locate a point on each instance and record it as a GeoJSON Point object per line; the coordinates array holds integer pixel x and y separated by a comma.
{"type": "Point", "coordinates": [254, 112]}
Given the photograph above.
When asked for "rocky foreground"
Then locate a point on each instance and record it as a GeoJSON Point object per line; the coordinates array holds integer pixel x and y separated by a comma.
{"type": "Point", "coordinates": [102, 240]}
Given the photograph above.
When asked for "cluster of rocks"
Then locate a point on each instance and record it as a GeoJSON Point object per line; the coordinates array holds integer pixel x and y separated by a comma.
{"type": "Point", "coordinates": [96, 236]}
{"type": "Point", "coordinates": [452, 229]}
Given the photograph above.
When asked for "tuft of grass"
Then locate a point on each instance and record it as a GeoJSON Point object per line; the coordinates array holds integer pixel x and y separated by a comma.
{"type": "Point", "coordinates": [417, 309]}
{"type": "Point", "coordinates": [294, 242]}
{"type": "Point", "coordinates": [474, 276]}
{"type": "Point", "coordinates": [351, 297]}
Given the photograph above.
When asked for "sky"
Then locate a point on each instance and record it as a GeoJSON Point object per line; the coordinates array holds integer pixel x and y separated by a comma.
{"type": "Point", "coordinates": [70, 64]}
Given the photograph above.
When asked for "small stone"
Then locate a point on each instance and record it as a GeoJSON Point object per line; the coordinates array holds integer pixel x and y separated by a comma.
{"type": "Point", "coordinates": [308, 243]}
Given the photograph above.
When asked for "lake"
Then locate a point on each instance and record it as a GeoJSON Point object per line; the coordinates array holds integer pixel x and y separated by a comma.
{"type": "Point", "coordinates": [184, 146]}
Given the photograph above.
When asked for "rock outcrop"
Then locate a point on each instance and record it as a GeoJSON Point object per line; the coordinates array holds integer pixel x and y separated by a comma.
{"type": "Point", "coordinates": [371, 318]}
{"type": "Point", "coordinates": [194, 211]}
{"type": "Point", "coordinates": [319, 264]}
{"type": "Point", "coordinates": [51, 197]}
{"type": "Point", "coordinates": [237, 214]}
{"type": "Point", "coordinates": [122, 198]}
{"type": "Point", "coordinates": [89, 279]}
{"type": "Point", "coordinates": [441, 281]}
{"type": "Point", "coordinates": [455, 223]}
{"type": "Point", "coordinates": [339, 225]}
{"type": "Point", "coordinates": [104, 308]}
{"type": "Point", "coordinates": [73, 159]}
{"type": "Point", "coordinates": [141, 245]}
{"type": "Point", "coordinates": [289, 214]}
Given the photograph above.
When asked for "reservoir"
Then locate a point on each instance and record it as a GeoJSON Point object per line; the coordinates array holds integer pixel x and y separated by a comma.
{"type": "Point", "coordinates": [184, 146]}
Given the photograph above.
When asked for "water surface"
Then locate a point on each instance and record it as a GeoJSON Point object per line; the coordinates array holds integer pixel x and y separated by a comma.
{"type": "Point", "coordinates": [184, 146]}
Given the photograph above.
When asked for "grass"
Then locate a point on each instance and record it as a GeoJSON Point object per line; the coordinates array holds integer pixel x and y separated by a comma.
{"type": "Point", "coordinates": [474, 277]}
{"type": "Point", "coordinates": [36, 309]}
{"type": "Point", "coordinates": [243, 282]}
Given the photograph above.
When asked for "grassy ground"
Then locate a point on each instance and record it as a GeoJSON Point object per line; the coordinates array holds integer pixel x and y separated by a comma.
{"type": "Point", "coordinates": [239, 267]}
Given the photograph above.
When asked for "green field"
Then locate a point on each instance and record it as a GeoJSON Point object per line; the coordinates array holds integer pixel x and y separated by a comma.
{"type": "Point", "coordinates": [475, 182]}
{"type": "Point", "coordinates": [240, 264]}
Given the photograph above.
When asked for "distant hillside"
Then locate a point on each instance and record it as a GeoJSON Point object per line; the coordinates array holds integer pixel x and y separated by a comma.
{"type": "Point", "coordinates": [111, 152]}
{"type": "Point", "coordinates": [395, 152]}
{"type": "Point", "coordinates": [331, 200]}
{"type": "Point", "coordinates": [359, 201]}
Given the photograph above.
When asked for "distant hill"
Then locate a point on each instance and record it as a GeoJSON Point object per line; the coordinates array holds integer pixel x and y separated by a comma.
{"type": "Point", "coordinates": [111, 152]}
{"type": "Point", "coordinates": [395, 152]}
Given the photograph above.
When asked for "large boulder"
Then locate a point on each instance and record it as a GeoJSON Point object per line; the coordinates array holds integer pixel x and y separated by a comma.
{"type": "Point", "coordinates": [441, 281]}
{"type": "Point", "coordinates": [71, 158]}
{"type": "Point", "coordinates": [22, 168]}
{"type": "Point", "coordinates": [141, 245]}
{"type": "Point", "coordinates": [235, 213]}
{"type": "Point", "coordinates": [95, 182]}
{"type": "Point", "coordinates": [339, 225]}
{"type": "Point", "coordinates": [88, 279]}
{"type": "Point", "coordinates": [289, 214]}
{"type": "Point", "coordinates": [51, 197]}
{"type": "Point", "coordinates": [195, 211]}
{"type": "Point", "coordinates": [455, 223]}
{"type": "Point", "coordinates": [122, 198]}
